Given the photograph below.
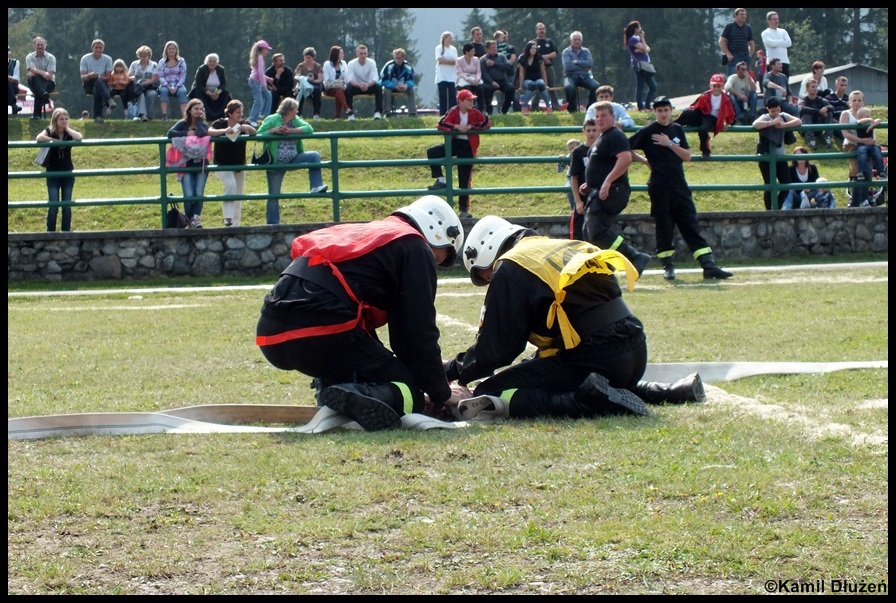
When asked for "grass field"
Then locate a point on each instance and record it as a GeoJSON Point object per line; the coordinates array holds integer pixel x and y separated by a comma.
{"type": "Point", "coordinates": [774, 478]}
{"type": "Point", "coordinates": [548, 146]}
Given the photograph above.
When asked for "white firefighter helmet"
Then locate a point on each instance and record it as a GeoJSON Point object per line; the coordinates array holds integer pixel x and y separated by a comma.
{"type": "Point", "coordinates": [486, 239]}
{"type": "Point", "coordinates": [438, 223]}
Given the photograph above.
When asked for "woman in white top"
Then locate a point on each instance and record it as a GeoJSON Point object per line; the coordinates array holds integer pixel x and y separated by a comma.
{"type": "Point", "coordinates": [145, 73]}
{"type": "Point", "coordinates": [446, 57]}
{"type": "Point", "coordinates": [817, 75]}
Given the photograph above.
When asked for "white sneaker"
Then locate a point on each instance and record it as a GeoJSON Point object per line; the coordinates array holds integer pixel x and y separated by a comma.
{"type": "Point", "coordinates": [195, 223]}
{"type": "Point", "coordinates": [351, 117]}
{"type": "Point", "coordinates": [377, 115]}
{"type": "Point", "coordinates": [319, 189]}
{"type": "Point", "coordinates": [112, 104]}
{"type": "Point", "coordinates": [316, 117]}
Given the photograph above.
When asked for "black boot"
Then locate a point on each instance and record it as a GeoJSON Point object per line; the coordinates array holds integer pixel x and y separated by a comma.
{"type": "Point", "coordinates": [688, 389]}
{"type": "Point", "coordinates": [638, 258]}
{"type": "Point", "coordinates": [601, 399]}
{"type": "Point", "coordinates": [710, 269]}
{"type": "Point", "coordinates": [373, 406]}
{"type": "Point", "coordinates": [668, 269]}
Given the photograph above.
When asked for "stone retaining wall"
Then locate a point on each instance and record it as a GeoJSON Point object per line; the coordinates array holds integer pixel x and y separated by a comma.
{"type": "Point", "coordinates": [264, 250]}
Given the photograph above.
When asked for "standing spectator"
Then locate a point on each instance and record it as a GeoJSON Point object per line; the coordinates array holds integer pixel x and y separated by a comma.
{"type": "Point", "coordinates": [259, 83]}
{"type": "Point", "coordinates": [210, 86]}
{"type": "Point", "coordinates": [565, 163]}
{"type": "Point", "coordinates": [145, 74]}
{"type": "Point", "coordinates": [468, 70]}
{"type": "Point", "coordinates": [365, 276]}
{"type": "Point", "coordinates": [776, 84]}
{"type": "Point", "coordinates": [801, 171]}
{"type": "Point", "coordinates": [606, 93]}
{"type": "Point", "coordinates": [12, 81]}
{"type": "Point", "coordinates": [334, 82]}
{"type": "Point", "coordinates": [577, 163]}
{"type": "Point", "coordinates": [760, 65]}
{"type": "Point", "coordinates": [497, 76]}
{"type": "Point", "coordinates": [191, 146]}
{"type": "Point", "coordinates": [397, 76]}
{"type": "Point", "coordinates": [172, 80]}
{"type": "Point", "coordinates": [283, 80]}
{"type": "Point", "coordinates": [737, 41]}
{"type": "Point", "coordinates": [635, 40]}
{"type": "Point", "coordinates": [284, 122]}
{"type": "Point", "coordinates": [818, 77]}
{"type": "Point", "coordinates": [463, 122]}
{"type": "Point", "coordinates": [311, 81]}
{"type": "Point", "coordinates": [711, 112]}
{"type": "Point", "coordinates": [666, 150]}
{"type": "Point", "coordinates": [776, 41]}
{"type": "Point", "coordinates": [59, 188]}
{"type": "Point", "coordinates": [607, 189]}
{"type": "Point", "coordinates": [532, 78]}
{"type": "Point", "coordinates": [41, 67]}
{"type": "Point", "coordinates": [230, 149]}
{"type": "Point", "coordinates": [741, 90]}
{"type": "Point", "coordinates": [446, 75]}
{"type": "Point", "coordinates": [476, 40]}
{"type": "Point", "coordinates": [120, 84]}
{"type": "Point", "coordinates": [96, 67]}
{"type": "Point", "coordinates": [839, 99]}
{"type": "Point", "coordinates": [816, 110]}
{"type": "Point", "coordinates": [771, 127]}
{"type": "Point", "coordinates": [509, 51]}
{"type": "Point", "coordinates": [363, 77]}
{"type": "Point", "coordinates": [548, 51]}
{"type": "Point", "coordinates": [577, 72]}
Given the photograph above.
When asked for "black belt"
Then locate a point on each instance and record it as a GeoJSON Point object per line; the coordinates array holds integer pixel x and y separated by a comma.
{"type": "Point", "coordinates": [600, 317]}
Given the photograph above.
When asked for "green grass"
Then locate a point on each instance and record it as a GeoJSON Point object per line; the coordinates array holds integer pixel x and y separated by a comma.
{"type": "Point", "coordinates": [780, 477]}
{"type": "Point", "coordinates": [548, 146]}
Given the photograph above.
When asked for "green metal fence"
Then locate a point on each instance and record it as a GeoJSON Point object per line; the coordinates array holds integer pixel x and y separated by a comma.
{"type": "Point", "coordinates": [335, 166]}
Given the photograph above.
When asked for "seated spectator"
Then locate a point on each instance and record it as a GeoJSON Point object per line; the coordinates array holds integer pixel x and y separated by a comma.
{"type": "Point", "coordinates": [605, 93]}
{"type": "Point", "coordinates": [96, 67]}
{"type": "Point", "coordinates": [839, 99]}
{"type": "Point", "coordinates": [771, 127]}
{"type": "Point", "coordinates": [397, 76]}
{"type": "Point", "coordinates": [144, 72]}
{"type": "Point", "coordinates": [120, 84]}
{"type": "Point", "coordinates": [869, 155]}
{"type": "Point", "coordinates": [12, 82]}
{"type": "Point", "coordinates": [310, 76]}
{"type": "Point", "coordinates": [172, 79]}
{"type": "Point", "coordinates": [283, 80]}
{"type": "Point", "coordinates": [334, 82]}
{"type": "Point", "coordinates": [497, 76]}
{"type": "Point", "coordinates": [41, 67]}
{"type": "Point", "coordinates": [816, 110]}
{"type": "Point", "coordinates": [210, 86]}
{"type": "Point", "coordinates": [775, 84]}
{"type": "Point", "coordinates": [509, 50]}
{"type": "Point", "coordinates": [362, 77]}
{"type": "Point", "coordinates": [532, 78]}
{"type": "Point", "coordinates": [823, 198]}
{"type": "Point", "coordinates": [818, 77]}
{"type": "Point", "coordinates": [801, 171]}
{"type": "Point", "coordinates": [577, 66]}
{"type": "Point", "coordinates": [711, 112]}
{"type": "Point", "coordinates": [742, 90]}
{"type": "Point", "coordinates": [468, 70]}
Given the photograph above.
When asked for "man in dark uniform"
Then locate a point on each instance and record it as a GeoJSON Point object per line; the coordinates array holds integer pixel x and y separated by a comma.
{"type": "Point", "coordinates": [671, 204]}
{"type": "Point", "coordinates": [347, 280]}
{"type": "Point", "coordinates": [563, 297]}
{"type": "Point", "coordinates": [606, 187]}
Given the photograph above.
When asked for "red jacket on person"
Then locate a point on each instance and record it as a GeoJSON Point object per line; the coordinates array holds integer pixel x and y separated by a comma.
{"type": "Point", "coordinates": [726, 110]}
{"type": "Point", "coordinates": [478, 121]}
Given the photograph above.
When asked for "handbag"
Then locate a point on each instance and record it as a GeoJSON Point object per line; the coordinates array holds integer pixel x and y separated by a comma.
{"type": "Point", "coordinates": [263, 159]}
{"type": "Point", "coordinates": [724, 60]}
{"type": "Point", "coordinates": [646, 67]}
{"type": "Point", "coordinates": [176, 218]}
{"type": "Point", "coordinates": [43, 157]}
{"type": "Point", "coordinates": [331, 84]}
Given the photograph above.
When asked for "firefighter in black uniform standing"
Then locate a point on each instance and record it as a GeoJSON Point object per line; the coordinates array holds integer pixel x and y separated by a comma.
{"type": "Point", "coordinates": [563, 297]}
{"type": "Point", "coordinates": [347, 280]}
{"type": "Point", "coordinates": [671, 204]}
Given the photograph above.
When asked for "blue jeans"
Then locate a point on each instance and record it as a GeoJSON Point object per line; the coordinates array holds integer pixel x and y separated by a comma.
{"type": "Point", "coordinates": [743, 114]}
{"type": "Point", "coordinates": [732, 64]}
{"type": "Point", "coordinates": [571, 85]}
{"type": "Point", "coordinates": [275, 183]}
{"type": "Point", "coordinates": [642, 79]}
{"type": "Point", "coordinates": [261, 101]}
{"type": "Point", "coordinates": [530, 86]}
{"type": "Point", "coordinates": [193, 185]}
{"type": "Point", "coordinates": [870, 158]}
{"type": "Point", "coordinates": [56, 188]}
{"type": "Point", "coordinates": [180, 94]}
